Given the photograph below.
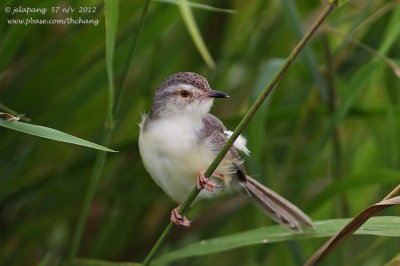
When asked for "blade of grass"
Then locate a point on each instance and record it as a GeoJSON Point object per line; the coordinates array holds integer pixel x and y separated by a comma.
{"type": "Point", "coordinates": [377, 226]}
{"type": "Point", "coordinates": [392, 32]}
{"type": "Point", "coordinates": [49, 133]}
{"type": "Point", "coordinates": [129, 60]}
{"type": "Point", "coordinates": [188, 18]}
{"type": "Point", "coordinates": [391, 63]}
{"type": "Point", "coordinates": [101, 157]}
{"type": "Point", "coordinates": [91, 188]}
{"type": "Point", "coordinates": [256, 130]}
{"type": "Point", "coordinates": [349, 229]}
{"type": "Point", "coordinates": [378, 14]}
{"type": "Point", "coordinates": [341, 47]}
{"type": "Point", "coordinates": [348, 183]}
{"type": "Point", "coordinates": [200, 6]}
{"type": "Point", "coordinates": [243, 123]}
{"type": "Point", "coordinates": [293, 17]}
{"type": "Point", "coordinates": [353, 89]}
{"type": "Point", "coordinates": [111, 14]}
{"type": "Point", "coordinates": [111, 10]}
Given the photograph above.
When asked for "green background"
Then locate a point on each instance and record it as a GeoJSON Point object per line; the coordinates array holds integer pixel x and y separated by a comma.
{"type": "Point", "coordinates": [327, 138]}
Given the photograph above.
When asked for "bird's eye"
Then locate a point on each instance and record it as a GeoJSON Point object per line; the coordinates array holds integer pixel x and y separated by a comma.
{"type": "Point", "coordinates": [185, 93]}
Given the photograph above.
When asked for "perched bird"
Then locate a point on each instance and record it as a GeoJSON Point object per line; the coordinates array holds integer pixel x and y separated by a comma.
{"type": "Point", "coordinates": [179, 139]}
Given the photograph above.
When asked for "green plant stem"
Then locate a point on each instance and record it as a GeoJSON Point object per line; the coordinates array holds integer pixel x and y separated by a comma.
{"type": "Point", "coordinates": [246, 119]}
{"type": "Point", "coordinates": [129, 60]}
{"type": "Point", "coordinates": [94, 180]}
{"type": "Point", "coordinates": [336, 156]}
{"type": "Point", "coordinates": [108, 132]}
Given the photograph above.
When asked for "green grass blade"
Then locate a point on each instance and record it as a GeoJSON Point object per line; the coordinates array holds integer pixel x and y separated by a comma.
{"type": "Point", "coordinates": [256, 132]}
{"type": "Point", "coordinates": [376, 226]}
{"type": "Point", "coordinates": [111, 10]}
{"type": "Point", "coordinates": [129, 60]}
{"type": "Point", "coordinates": [194, 32]}
{"type": "Point", "coordinates": [111, 17]}
{"type": "Point", "coordinates": [200, 6]}
{"type": "Point", "coordinates": [348, 183]}
{"type": "Point", "coordinates": [352, 91]}
{"type": "Point", "coordinates": [293, 17]}
{"type": "Point", "coordinates": [392, 32]}
{"type": "Point", "coordinates": [50, 133]}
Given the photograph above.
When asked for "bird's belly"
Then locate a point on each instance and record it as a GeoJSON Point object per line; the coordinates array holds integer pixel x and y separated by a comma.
{"type": "Point", "coordinates": [173, 162]}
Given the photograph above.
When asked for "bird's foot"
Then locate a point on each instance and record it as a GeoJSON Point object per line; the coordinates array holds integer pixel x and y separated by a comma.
{"type": "Point", "coordinates": [178, 218]}
{"type": "Point", "coordinates": [205, 183]}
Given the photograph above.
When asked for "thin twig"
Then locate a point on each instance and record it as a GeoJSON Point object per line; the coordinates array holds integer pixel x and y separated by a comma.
{"type": "Point", "coordinates": [392, 193]}
{"type": "Point", "coordinates": [253, 109]}
{"type": "Point", "coordinates": [392, 64]}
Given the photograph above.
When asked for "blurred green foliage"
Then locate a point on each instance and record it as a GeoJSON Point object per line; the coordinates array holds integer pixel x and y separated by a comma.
{"type": "Point", "coordinates": [331, 126]}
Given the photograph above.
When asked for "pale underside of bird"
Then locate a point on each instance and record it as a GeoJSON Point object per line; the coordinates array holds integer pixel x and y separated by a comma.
{"type": "Point", "coordinates": [179, 139]}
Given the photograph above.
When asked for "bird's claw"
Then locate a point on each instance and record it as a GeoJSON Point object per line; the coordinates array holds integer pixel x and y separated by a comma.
{"type": "Point", "coordinates": [178, 218]}
{"type": "Point", "coordinates": [205, 183]}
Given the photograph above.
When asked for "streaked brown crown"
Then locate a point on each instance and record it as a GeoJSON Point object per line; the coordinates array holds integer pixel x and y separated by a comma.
{"type": "Point", "coordinates": [188, 78]}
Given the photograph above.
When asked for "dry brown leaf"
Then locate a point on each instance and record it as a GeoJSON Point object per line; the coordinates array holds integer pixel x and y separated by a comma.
{"type": "Point", "coordinates": [350, 228]}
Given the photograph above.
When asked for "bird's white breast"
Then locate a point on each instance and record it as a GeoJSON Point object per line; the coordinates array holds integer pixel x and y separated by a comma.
{"type": "Point", "coordinates": [172, 154]}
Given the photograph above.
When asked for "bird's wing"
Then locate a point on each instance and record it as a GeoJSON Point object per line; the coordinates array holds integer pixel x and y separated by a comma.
{"type": "Point", "coordinates": [214, 131]}
{"type": "Point", "coordinates": [274, 205]}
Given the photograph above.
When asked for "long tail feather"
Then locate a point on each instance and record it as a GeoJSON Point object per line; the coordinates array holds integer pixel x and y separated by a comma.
{"type": "Point", "coordinates": [275, 206]}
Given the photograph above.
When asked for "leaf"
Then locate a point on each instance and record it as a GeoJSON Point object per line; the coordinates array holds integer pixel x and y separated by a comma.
{"type": "Point", "coordinates": [394, 66]}
{"type": "Point", "coordinates": [379, 226]}
{"type": "Point", "coordinates": [49, 133]}
{"type": "Point", "coordinates": [352, 91]}
{"type": "Point", "coordinates": [351, 227]}
{"type": "Point", "coordinates": [392, 32]}
{"type": "Point", "coordinates": [111, 18]}
{"type": "Point", "coordinates": [292, 15]}
{"type": "Point", "coordinates": [256, 131]}
{"type": "Point", "coordinates": [111, 30]}
{"type": "Point", "coordinates": [348, 183]}
{"type": "Point", "coordinates": [194, 32]}
{"type": "Point", "coordinates": [200, 6]}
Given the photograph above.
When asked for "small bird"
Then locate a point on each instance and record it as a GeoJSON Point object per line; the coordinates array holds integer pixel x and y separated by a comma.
{"type": "Point", "coordinates": [179, 139]}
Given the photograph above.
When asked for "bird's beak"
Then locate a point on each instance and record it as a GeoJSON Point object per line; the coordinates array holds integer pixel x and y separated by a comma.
{"type": "Point", "coordinates": [217, 94]}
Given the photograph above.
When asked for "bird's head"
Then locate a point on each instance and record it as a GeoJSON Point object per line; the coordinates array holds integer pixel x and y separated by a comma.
{"type": "Point", "coordinates": [184, 93]}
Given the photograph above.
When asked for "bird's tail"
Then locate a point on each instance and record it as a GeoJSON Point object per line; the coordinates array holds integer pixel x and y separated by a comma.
{"type": "Point", "coordinates": [274, 205]}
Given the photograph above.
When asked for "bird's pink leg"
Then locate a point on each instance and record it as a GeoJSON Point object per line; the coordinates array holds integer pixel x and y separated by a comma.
{"type": "Point", "coordinates": [205, 183]}
{"type": "Point", "coordinates": [178, 218]}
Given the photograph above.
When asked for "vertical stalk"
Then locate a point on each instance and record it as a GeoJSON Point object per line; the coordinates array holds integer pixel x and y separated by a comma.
{"type": "Point", "coordinates": [111, 30]}
{"type": "Point", "coordinates": [94, 180]}
{"type": "Point", "coordinates": [336, 165]}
